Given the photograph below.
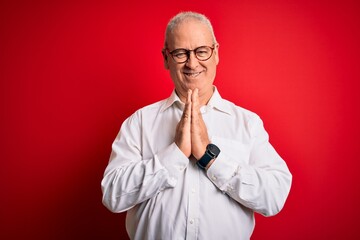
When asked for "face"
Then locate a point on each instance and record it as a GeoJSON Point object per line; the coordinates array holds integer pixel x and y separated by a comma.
{"type": "Point", "coordinates": [194, 73]}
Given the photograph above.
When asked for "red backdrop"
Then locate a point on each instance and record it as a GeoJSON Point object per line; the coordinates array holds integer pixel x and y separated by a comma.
{"type": "Point", "coordinates": [72, 71]}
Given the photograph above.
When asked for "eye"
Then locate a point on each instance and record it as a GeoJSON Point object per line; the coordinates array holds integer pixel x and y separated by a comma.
{"type": "Point", "coordinates": [202, 51]}
{"type": "Point", "coordinates": [180, 54]}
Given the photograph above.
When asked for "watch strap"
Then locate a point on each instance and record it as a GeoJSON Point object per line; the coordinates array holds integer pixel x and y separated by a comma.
{"type": "Point", "coordinates": [204, 160]}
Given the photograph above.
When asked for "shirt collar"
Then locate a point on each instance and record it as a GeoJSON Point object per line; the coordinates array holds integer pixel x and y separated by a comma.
{"type": "Point", "coordinates": [216, 102]}
{"type": "Point", "coordinates": [173, 99]}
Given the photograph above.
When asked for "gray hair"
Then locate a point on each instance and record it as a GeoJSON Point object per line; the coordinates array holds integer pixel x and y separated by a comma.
{"type": "Point", "coordinates": [181, 17]}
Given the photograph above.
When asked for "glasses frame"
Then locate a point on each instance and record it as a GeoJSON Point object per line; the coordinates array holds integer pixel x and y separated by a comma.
{"type": "Point", "coordinates": [188, 52]}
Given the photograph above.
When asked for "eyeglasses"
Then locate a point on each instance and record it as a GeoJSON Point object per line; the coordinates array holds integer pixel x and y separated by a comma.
{"type": "Point", "coordinates": [182, 55]}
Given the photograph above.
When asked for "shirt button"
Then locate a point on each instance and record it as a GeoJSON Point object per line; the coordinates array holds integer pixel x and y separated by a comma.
{"type": "Point", "coordinates": [191, 221]}
{"type": "Point", "coordinates": [214, 177]}
{"type": "Point", "coordinates": [193, 190]}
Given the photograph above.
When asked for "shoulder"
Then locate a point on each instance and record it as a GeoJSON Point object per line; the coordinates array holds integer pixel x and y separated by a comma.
{"type": "Point", "coordinates": [148, 110]}
{"type": "Point", "coordinates": [247, 118]}
{"type": "Point", "coordinates": [152, 108]}
{"type": "Point", "coordinates": [239, 111]}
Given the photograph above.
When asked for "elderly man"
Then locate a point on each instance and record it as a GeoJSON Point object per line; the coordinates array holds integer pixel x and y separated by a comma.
{"type": "Point", "coordinates": [193, 166]}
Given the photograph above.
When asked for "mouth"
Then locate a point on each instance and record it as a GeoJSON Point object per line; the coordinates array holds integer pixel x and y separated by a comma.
{"type": "Point", "coordinates": [192, 74]}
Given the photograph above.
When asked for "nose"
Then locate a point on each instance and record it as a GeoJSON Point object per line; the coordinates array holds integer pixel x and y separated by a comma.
{"type": "Point", "coordinates": [192, 61]}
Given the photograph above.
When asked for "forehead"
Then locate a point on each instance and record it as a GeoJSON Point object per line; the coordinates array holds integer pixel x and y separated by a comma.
{"type": "Point", "coordinates": [191, 33]}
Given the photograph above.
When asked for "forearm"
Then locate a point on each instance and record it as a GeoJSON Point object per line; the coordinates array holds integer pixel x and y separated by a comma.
{"type": "Point", "coordinates": [129, 182]}
{"type": "Point", "coordinates": [263, 189]}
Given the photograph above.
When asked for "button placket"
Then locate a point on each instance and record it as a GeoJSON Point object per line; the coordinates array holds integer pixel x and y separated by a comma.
{"type": "Point", "coordinates": [193, 202]}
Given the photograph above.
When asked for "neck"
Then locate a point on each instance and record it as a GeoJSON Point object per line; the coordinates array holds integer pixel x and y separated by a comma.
{"type": "Point", "coordinates": [204, 97]}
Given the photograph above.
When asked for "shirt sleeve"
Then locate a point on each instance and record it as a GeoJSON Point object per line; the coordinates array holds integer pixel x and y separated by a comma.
{"type": "Point", "coordinates": [256, 176]}
{"type": "Point", "coordinates": [129, 179]}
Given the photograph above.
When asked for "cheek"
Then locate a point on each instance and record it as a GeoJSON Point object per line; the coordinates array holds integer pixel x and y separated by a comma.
{"type": "Point", "coordinates": [211, 68]}
{"type": "Point", "coordinates": [175, 74]}
{"type": "Point", "coordinates": [175, 71]}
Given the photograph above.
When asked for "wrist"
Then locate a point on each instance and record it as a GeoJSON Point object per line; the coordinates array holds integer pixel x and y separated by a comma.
{"type": "Point", "coordinates": [200, 153]}
{"type": "Point", "coordinates": [209, 164]}
{"type": "Point", "coordinates": [211, 153]}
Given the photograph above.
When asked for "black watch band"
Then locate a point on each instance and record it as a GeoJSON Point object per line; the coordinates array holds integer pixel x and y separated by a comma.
{"type": "Point", "coordinates": [212, 151]}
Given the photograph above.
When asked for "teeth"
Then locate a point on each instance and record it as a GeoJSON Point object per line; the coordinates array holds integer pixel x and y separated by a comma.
{"type": "Point", "coordinates": [192, 74]}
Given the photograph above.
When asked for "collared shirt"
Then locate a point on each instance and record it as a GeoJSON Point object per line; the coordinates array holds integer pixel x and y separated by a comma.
{"type": "Point", "coordinates": [168, 196]}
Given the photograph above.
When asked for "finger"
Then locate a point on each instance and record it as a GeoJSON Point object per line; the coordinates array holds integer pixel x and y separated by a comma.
{"type": "Point", "coordinates": [195, 104]}
{"type": "Point", "coordinates": [187, 109]}
{"type": "Point", "coordinates": [195, 97]}
{"type": "Point", "coordinates": [189, 95]}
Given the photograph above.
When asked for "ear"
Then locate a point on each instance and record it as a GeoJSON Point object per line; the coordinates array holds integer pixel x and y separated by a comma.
{"type": "Point", "coordinates": [216, 52]}
{"type": "Point", "coordinates": [166, 63]}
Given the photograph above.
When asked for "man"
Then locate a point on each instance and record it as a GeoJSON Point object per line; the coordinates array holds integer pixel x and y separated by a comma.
{"type": "Point", "coordinates": [193, 166]}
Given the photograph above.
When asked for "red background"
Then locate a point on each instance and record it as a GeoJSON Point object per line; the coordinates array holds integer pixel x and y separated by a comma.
{"type": "Point", "coordinates": [72, 71]}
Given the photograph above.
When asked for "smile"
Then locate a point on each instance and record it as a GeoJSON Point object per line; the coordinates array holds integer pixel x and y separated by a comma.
{"type": "Point", "coordinates": [192, 74]}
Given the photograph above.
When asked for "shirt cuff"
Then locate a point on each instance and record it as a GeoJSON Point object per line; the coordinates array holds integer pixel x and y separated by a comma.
{"type": "Point", "coordinates": [174, 161]}
{"type": "Point", "coordinates": [223, 169]}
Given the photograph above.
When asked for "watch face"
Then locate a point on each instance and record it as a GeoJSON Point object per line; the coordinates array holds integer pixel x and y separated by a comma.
{"type": "Point", "coordinates": [213, 149]}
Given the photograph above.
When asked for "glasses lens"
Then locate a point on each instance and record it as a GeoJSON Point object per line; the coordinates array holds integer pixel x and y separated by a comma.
{"type": "Point", "coordinates": [203, 53]}
{"type": "Point", "coordinates": [179, 55]}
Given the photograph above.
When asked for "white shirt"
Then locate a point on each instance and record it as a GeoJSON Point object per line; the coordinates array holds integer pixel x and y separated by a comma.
{"type": "Point", "coordinates": [168, 196]}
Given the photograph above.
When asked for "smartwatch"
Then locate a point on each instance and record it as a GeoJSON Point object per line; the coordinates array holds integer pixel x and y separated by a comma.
{"type": "Point", "coordinates": [212, 151]}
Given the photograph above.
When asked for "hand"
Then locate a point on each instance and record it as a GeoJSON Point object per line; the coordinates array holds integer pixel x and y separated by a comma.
{"type": "Point", "coordinates": [191, 133]}
{"type": "Point", "coordinates": [199, 135]}
{"type": "Point", "coordinates": [182, 135]}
